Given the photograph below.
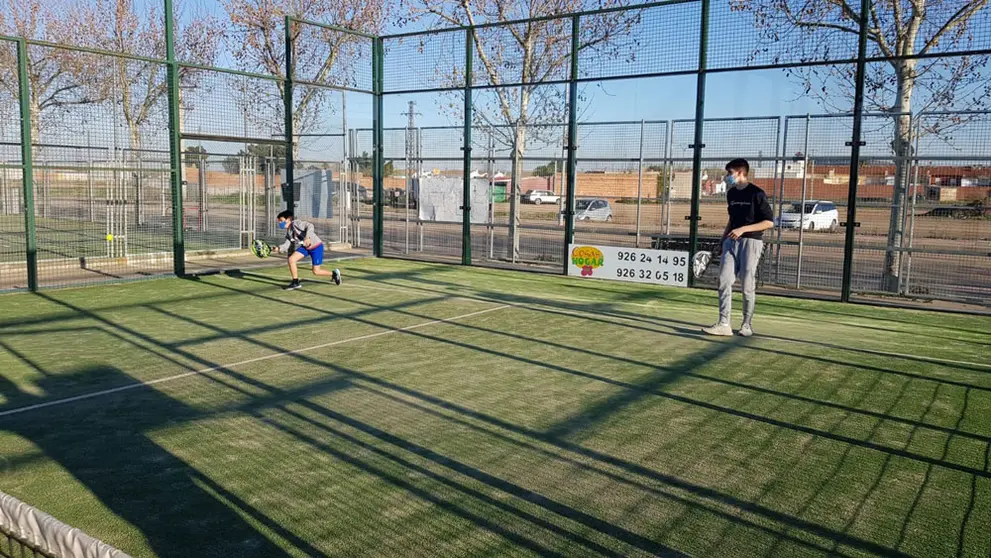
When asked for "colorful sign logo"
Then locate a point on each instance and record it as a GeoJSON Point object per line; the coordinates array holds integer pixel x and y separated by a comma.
{"type": "Point", "coordinates": [588, 258]}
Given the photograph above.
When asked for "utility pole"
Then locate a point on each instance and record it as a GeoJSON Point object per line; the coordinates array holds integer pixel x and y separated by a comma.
{"type": "Point", "coordinates": [411, 115]}
{"type": "Point", "coordinates": [411, 151]}
{"type": "Point", "coordinates": [411, 147]}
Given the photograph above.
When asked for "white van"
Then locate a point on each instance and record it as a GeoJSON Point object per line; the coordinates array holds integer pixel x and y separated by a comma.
{"type": "Point", "coordinates": [819, 216]}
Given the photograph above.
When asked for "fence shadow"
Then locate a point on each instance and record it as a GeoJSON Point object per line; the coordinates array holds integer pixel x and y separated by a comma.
{"type": "Point", "coordinates": [105, 446]}
{"type": "Point", "coordinates": [560, 437]}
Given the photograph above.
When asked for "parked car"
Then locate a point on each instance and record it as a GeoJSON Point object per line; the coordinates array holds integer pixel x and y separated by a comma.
{"type": "Point", "coordinates": [818, 216]}
{"type": "Point", "coordinates": [396, 197]}
{"type": "Point", "coordinates": [538, 197]}
{"type": "Point", "coordinates": [362, 193]}
{"type": "Point", "coordinates": [592, 209]}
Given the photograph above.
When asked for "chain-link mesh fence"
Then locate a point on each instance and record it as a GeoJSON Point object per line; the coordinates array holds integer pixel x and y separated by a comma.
{"type": "Point", "coordinates": [103, 168]}
{"type": "Point", "coordinates": [640, 172]}
{"type": "Point", "coordinates": [100, 166]}
{"type": "Point", "coordinates": [13, 267]}
{"type": "Point", "coordinates": [659, 183]}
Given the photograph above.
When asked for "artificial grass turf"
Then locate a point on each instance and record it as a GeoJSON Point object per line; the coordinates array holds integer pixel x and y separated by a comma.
{"type": "Point", "coordinates": [555, 417]}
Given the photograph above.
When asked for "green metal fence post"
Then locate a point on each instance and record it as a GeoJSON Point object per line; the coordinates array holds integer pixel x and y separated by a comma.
{"type": "Point", "coordinates": [287, 93]}
{"type": "Point", "coordinates": [571, 164]}
{"type": "Point", "coordinates": [27, 164]}
{"type": "Point", "coordinates": [697, 145]}
{"type": "Point", "coordinates": [175, 143]}
{"type": "Point", "coordinates": [855, 143]}
{"type": "Point", "coordinates": [378, 161]}
{"type": "Point", "coordinates": [466, 195]}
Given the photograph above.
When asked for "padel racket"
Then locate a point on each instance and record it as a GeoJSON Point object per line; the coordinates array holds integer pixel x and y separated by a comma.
{"type": "Point", "coordinates": [260, 249]}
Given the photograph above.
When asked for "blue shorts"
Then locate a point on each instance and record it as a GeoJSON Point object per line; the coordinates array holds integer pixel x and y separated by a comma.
{"type": "Point", "coordinates": [315, 253]}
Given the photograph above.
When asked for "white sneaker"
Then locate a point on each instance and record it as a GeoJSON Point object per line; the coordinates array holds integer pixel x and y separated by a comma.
{"type": "Point", "coordinates": [746, 331]}
{"type": "Point", "coordinates": [722, 330]}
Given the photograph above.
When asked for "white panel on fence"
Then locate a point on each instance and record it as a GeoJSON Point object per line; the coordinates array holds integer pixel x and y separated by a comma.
{"type": "Point", "coordinates": [316, 194]}
{"type": "Point", "coordinates": [439, 199]}
{"type": "Point", "coordinates": [661, 267]}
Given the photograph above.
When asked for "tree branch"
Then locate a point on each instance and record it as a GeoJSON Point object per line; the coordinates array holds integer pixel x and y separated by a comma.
{"type": "Point", "coordinates": [879, 38]}
{"type": "Point", "coordinates": [897, 8]}
{"type": "Point", "coordinates": [799, 22]}
{"type": "Point", "coordinates": [960, 17]}
{"type": "Point", "coordinates": [490, 70]}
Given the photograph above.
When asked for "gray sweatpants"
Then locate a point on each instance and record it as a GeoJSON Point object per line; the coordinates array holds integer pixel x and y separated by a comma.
{"type": "Point", "coordinates": [739, 260]}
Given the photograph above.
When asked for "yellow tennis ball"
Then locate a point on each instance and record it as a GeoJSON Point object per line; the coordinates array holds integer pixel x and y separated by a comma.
{"type": "Point", "coordinates": [110, 238]}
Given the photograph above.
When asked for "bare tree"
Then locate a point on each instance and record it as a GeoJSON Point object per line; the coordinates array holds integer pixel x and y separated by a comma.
{"type": "Point", "coordinates": [59, 78]}
{"type": "Point", "coordinates": [139, 87]}
{"type": "Point", "coordinates": [319, 55]}
{"type": "Point", "coordinates": [900, 31]}
{"type": "Point", "coordinates": [519, 58]}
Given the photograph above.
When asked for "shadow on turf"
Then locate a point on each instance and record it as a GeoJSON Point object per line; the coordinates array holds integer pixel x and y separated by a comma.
{"type": "Point", "coordinates": [503, 486]}
{"type": "Point", "coordinates": [605, 410]}
{"type": "Point", "coordinates": [697, 297]}
{"type": "Point", "coordinates": [595, 414]}
{"type": "Point", "coordinates": [278, 399]}
{"type": "Point", "coordinates": [606, 308]}
{"type": "Point", "coordinates": [599, 412]}
{"type": "Point", "coordinates": [565, 511]}
{"type": "Point", "coordinates": [137, 479]}
{"type": "Point", "coordinates": [634, 392]}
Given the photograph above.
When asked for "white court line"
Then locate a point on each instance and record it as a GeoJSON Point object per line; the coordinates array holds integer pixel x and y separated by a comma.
{"type": "Point", "coordinates": [136, 385]}
{"type": "Point", "coordinates": [934, 360]}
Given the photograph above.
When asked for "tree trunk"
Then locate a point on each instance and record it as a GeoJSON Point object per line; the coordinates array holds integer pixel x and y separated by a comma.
{"type": "Point", "coordinates": [35, 122]}
{"type": "Point", "coordinates": [40, 193]}
{"type": "Point", "coordinates": [519, 146]}
{"type": "Point", "coordinates": [901, 146]}
{"type": "Point", "coordinates": [134, 160]}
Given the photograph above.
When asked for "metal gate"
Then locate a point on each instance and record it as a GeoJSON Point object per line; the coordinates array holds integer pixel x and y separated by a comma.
{"type": "Point", "coordinates": [220, 201]}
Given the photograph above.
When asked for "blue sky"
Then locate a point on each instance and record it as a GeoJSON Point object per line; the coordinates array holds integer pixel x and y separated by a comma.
{"type": "Point", "coordinates": [737, 94]}
{"type": "Point", "coordinates": [731, 94]}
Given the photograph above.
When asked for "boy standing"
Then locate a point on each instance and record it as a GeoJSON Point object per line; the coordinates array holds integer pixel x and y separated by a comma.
{"type": "Point", "coordinates": [302, 241]}
{"type": "Point", "coordinates": [750, 214]}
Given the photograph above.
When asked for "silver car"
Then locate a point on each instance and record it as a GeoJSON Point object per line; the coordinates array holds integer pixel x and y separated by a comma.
{"type": "Point", "coordinates": [592, 209]}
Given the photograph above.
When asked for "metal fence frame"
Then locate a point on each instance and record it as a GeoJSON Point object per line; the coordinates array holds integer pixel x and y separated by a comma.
{"type": "Point", "coordinates": [855, 141]}
{"type": "Point", "coordinates": [29, 166]}
{"type": "Point", "coordinates": [784, 127]}
{"type": "Point", "coordinates": [570, 78]}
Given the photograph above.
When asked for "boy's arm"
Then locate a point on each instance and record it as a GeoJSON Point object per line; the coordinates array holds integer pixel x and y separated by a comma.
{"type": "Point", "coordinates": [308, 232]}
{"type": "Point", "coordinates": [756, 227]}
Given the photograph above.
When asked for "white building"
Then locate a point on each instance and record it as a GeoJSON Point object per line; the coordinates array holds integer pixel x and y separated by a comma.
{"type": "Point", "coordinates": [792, 169]}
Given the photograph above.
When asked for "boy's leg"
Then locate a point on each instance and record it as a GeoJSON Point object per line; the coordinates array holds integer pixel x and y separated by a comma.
{"type": "Point", "coordinates": [294, 259]}
{"type": "Point", "coordinates": [316, 257]}
{"type": "Point", "coordinates": [294, 270]}
{"type": "Point", "coordinates": [728, 265]}
{"type": "Point", "coordinates": [750, 251]}
{"type": "Point", "coordinates": [727, 276]}
{"type": "Point", "coordinates": [316, 254]}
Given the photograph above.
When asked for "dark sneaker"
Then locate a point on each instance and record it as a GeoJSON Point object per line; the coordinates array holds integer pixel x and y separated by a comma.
{"type": "Point", "coordinates": [293, 286]}
{"type": "Point", "coordinates": [337, 276]}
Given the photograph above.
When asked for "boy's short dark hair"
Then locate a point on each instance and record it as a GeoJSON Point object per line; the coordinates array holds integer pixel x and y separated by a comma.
{"type": "Point", "coordinates": [740, 165]}
{"type": "Point", "coordinates": [285, 215]}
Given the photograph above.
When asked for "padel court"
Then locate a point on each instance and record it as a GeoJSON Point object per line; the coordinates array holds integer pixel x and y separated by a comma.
{"type": "Point", "coordinates": [423, 409]}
